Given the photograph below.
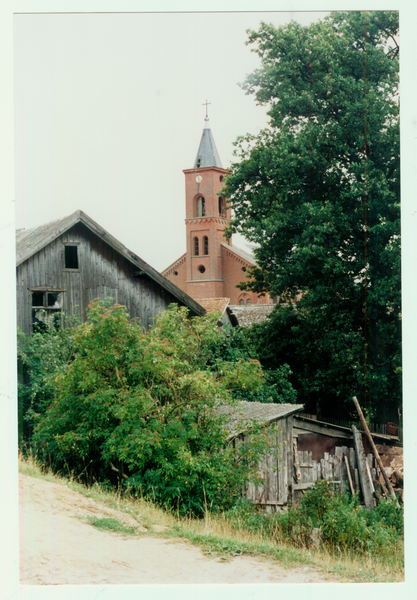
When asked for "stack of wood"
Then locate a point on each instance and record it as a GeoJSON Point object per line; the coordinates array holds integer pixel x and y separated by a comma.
{"type": "Point", "coordinates": [393, 462]}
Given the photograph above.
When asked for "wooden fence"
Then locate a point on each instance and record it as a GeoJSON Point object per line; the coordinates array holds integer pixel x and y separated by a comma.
{"type": "Point", "coordinates": [331, 467]}
{"type": "Point", "coordinates": [285, 480]}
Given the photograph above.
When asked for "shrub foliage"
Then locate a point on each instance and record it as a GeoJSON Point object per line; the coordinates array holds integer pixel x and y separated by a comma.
{"type": "Point", "coordinates": [138, 409]}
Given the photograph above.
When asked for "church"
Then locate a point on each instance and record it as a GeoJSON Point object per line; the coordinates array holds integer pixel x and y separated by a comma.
{"type": "Point", "coordinates": [212, 266]}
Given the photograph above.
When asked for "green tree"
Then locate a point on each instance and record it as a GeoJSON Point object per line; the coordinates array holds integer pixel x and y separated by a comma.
{"type": "Point", "coordinates": [318, 191]}
{"type": "Point", "coordinates": [140, 409]}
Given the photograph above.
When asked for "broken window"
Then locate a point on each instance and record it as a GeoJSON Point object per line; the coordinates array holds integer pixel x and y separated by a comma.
{"type": "Point", "coordinates": [46, 309]}
{"type": "Point", "coordinates": [71, 257]}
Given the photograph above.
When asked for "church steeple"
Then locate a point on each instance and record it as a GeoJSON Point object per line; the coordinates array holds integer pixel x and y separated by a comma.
{"type": "Point", "coordinates": [207, 155]}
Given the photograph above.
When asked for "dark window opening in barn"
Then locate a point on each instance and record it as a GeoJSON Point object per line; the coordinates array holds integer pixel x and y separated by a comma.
{"type": "Point", "coordinates": [202, 269]}
{"type": "Point", "coordinates": [46, 310]}
{"type": "Point", "coordinates": [196, 246]}
{"type": "Point", "coordinates": [71, 257]}
{"type": "Point", "coordinates": [201, 207]}
{"type": "Point", "coordinates": [38, 298]}
{"type": "Point", "coordinates": [205, 239]}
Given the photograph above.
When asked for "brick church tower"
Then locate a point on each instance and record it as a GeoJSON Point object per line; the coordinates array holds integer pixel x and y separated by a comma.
{"type": "Point", "coordinates": [211, 266]}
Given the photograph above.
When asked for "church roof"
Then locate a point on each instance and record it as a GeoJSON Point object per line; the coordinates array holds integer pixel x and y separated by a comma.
{"type": "Point", "coordinates": [207, 155]}
{"type": "Point", "coordinates": [250, 314]}
{"type": "Point", "coordinates": [210, 304]}
{"type": "Point", "coordinates": [239, 252]}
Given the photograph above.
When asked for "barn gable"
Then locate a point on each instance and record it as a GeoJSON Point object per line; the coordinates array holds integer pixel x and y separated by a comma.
{"type": "Point", "coordinates": [65, 264]}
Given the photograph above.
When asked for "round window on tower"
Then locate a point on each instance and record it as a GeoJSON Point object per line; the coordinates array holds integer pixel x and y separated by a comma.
{"type": "Point", "coordinates": [202, 269]}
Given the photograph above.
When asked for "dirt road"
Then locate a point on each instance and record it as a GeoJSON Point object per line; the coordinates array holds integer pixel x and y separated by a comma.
{"type": "Point", "coordinates": [58, 547]}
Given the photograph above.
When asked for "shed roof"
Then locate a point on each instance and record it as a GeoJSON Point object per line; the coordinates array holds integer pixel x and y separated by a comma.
{"type": "Point", "coordinates": [243, 413]}
{"type": "Point", "coordinates": [30, 241]}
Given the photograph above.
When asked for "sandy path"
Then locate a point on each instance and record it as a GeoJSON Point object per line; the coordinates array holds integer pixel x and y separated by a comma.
{"type": "Point", "coordinates": [56, 547]}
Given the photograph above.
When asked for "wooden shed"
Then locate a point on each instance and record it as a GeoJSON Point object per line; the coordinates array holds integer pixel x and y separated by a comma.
{"type": "Point", "coordinates": [64, 265]}
{"type": "Point", "coordinates": [276, 468]}
{"type": "Point", "coordinates": [304, 451]}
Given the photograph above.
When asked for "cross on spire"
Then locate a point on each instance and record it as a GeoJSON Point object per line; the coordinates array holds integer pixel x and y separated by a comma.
{"type": "Point", "coordinates": [206, 105]}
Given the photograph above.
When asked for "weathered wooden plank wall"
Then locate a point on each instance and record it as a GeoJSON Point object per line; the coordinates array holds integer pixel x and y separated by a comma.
{"type": "Point", "coordinates": [285, 480]}
{"type": "Point", "coordinates": [274, 468]}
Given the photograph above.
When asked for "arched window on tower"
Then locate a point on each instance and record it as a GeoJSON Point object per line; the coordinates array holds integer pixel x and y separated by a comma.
{"type": "Point", "coordinates": [201, 207]}
{"type": "Point", "coordinates": [205, 241]}
{"type": "Point", "coordinates": [196, 246]}
{"type": "Point", "coordinates": [221, 206]}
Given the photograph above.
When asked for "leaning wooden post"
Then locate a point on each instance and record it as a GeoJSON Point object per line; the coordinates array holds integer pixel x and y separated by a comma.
{"type": "Point", "coordinates": [349, 475]}
{"type": "Point", "coordinates": [363, 475]}
{"type": "Point", "coordinates": [376, 453]}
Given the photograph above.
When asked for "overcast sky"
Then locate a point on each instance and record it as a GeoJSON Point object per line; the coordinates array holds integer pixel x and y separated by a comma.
{"type": "Point", "coordinates": [109, 111]}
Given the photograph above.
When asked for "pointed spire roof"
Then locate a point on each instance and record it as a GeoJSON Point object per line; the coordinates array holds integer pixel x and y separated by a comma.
{"type": "Point", "coordinates": [207, 155]}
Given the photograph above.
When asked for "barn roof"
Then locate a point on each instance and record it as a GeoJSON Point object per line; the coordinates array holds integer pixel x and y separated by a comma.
{"type": "Point", "coordinates": [30, 241]}
{"type": "Point", "coordinates": [243, 413]}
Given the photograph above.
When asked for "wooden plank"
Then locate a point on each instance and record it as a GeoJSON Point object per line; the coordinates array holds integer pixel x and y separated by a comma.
{"type": "Point", "coordinates": [363, 475]}
{"type": "Point", "coordinates": [297, 470]}
{"type": "Point", "coordinates": [352, 489]}
{"type": "Point", "coordinates": [303, 486]}
{"type": "Point", "coordinates": [290, 457]}
{"type": "Point", "coordinates": [315, 475]}
{"type": "Point", "coordinates": [338, 461]}
{"type": "Point", "coordinates": [302, 425]}
{"type": "Point", "coordinates": [374, 448]}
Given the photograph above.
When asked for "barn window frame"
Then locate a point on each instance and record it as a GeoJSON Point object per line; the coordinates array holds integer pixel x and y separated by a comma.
{"type": "Point", "coordinates": [71, 256]}
{"type": "Point", "coordinates": [45, 303]}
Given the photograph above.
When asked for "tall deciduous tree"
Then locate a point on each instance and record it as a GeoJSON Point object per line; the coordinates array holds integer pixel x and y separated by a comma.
{"type": "Point", "coordinates": [318, 191]}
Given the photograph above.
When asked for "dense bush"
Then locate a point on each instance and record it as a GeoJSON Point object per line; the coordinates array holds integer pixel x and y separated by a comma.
{"type": "Point", "coordinates": [139, 409]}
{"type": "Point", "coordinates": [41, 357]}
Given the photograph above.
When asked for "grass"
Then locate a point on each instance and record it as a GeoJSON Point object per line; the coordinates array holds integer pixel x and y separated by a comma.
{"type": "Point", "coordinates": [219, 537]}
{"type": "Point", "coordinates": [111, 525]}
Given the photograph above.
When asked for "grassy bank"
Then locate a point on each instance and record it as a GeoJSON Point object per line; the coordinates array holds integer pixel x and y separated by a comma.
{"type": "Point", "coordinates": [236, 533]}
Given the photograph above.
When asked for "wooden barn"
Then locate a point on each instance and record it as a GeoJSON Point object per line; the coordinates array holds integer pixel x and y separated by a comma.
{"type": "Point", "coordinates": [63, 265]}
{"type": "Point", "coordinates": [304, 451]}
